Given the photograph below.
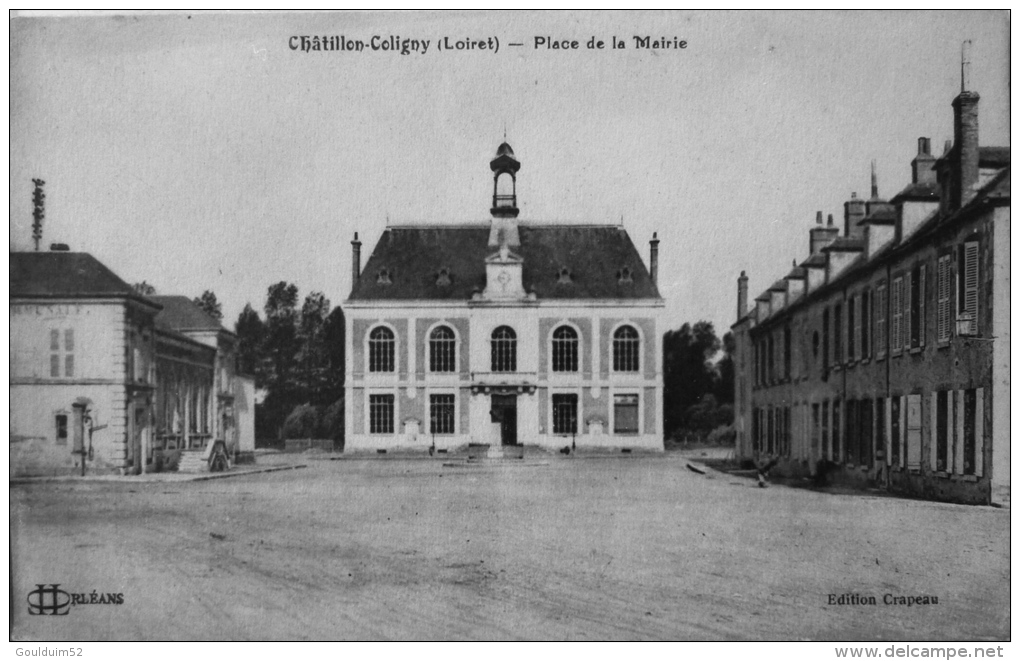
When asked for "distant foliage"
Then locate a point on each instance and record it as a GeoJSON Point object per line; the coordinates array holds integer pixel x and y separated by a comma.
{"type": "Point", "coordinates": [303, 422]}
{"type": "Point", "coordinates": [697, 382]}
{"type": "Point", "coordinates": [207, 301]}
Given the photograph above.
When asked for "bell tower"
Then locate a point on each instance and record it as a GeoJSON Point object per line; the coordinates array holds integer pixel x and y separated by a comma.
{"type": "Point", "coordinates": [504, 182]}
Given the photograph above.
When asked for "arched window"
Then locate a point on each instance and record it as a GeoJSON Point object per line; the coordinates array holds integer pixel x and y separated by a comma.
{"type": "Point", "coordinates": [442, 350]}
{"type": "Point", "coordinates": [625, 349]}
{"type": "Point", "coordinates": [381, 350]}
{"type": "Point", "coordinates": [504, 350]}
{"type": "Point", "coordinates": [564, 349]}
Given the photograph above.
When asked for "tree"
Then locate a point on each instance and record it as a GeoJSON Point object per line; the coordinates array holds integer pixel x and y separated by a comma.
{"type": "Point", "coordinates": [207, 301]}
{"type": "Point", "coordinates": [334, 335]}
{"type": "Point", "coordinates": [725, 384]}
{"type": "Point", "coordinates": [313, 351]}
{"type": "Point", "coordinates": [280, 349]}
{"type": "Point", "coordinates": [144, 288]}
{"type": "Point", "coordinates": [250, 335]}
{"type": "Point", "coordinates": [688, 371]}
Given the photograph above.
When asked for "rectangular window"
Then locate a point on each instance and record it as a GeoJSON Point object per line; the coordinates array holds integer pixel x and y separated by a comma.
{"type": "Point", "coordinates": [56, 355]}
{"type": "Point", "coordinates": [787, 353]}
{"type": "Point", "coordinates": [852, 432]}
{"type": "Point", "coordinates": [915, 308]}
{"type": "Point", "coordinates": [969, 430]}
{"type": "Point", "coordinates": [826, 446]}
{"type": "Point", "coordinates": [816, 428]}
{"type": "Point", "coordinates": [942, 426]}
{"type": "Point", "coordinates": [865, 325]}
{"type": "Point", "coordinates": [880, 308]}
{"type": "Point", "coordinates": [564, 409]}
{"type": "Point", "coordinates": [837, 334]}
{"type": "Point", "coordinates": [852, 329]}
{"type": "Point", "coordinates": [913, 434]}
{"type": "Point", "coordinates": [922, 319]}
{"type": "Point", "coordinates": [865, 432]}
{"type": "Point", "coordinates": [625, 414]}
{"type": "Point", "coordinates": [61, 421]}
{"type": "Point", "coordinates": [895, 433]}
{"type": "Point", "coordinates": [825, 341]}
{"type": "Point", "coordinates": [967, 279]}
{"type": "Point", "coordinates": [755, 430]}
{"type": "Point", "coordinates": [69, 364]}
{"type": "Point", "coordinates": [896, 330]}
{"type": "Point", "coordinates": [943, 323]}
{"type": "Point", "coordinates": [380, 414]}
{"type": "Point", "coordinates": [906, 311]}
{"type": "Point", "coordinates": [880, 436]}
{"type": "Point", "coordinates": [837, 447]}
{"type": "Point", "coordinates": [786, 431]}
{"type": "Point", "coordinates": [441, 414]}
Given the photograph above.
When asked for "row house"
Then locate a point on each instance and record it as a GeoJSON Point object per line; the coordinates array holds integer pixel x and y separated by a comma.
{"type": "Point", "coordinates": [106, 379]}
{"type": "Point", "coordinates": [883, 358]}
{"type": "Point", "coordinates": [504, 334]}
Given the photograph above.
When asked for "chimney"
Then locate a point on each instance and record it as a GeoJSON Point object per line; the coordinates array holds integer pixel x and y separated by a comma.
{"type": "Point", "coordinates": [964, 170]}
{"type": "Point", "coordinates": [854, 210]}
{"type": "Point", "coordinates": [355, 261]}
{"type": "Point", "coordinates": [741, 295]}
{"type": "Point", "coordinates": [654, 261]}
{"type": "Point", "coordinates": [822, 235]}
{"type": "Point", "coordinates": [921, 166]}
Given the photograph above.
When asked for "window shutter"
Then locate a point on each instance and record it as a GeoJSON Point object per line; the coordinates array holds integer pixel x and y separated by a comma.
{"type": "Point", "coordinates": [970, 282]}
{"type": "Point", "coordinates": [943, 299]}
{"type": "Point", "coordinates": [933, 445]}
{"type": "Point", "coordinates": [979, 432]}
{"type": "Point", "coordinates": [922, 299]}
{"type": "Point", "coordinates": [895, 341]}
{"type": "Point", "coordinates": [858, 348]}
{"type": "Point", "coordinates": [903, 432]}
{"type": "Point", "coordinates": [880, 323]}
{"type": "Point", "coordinates": [887, 421]}
{"type": "Point", "coordinates": [905, 323]}
{"type": "Point", "coordinates": [913, 435]}
{"type": "Point", "coordinates": [957, 446]}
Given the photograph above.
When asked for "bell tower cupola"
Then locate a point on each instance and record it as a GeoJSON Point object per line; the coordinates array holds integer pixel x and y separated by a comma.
{"type": "Point", "coordinates": [504, 182]}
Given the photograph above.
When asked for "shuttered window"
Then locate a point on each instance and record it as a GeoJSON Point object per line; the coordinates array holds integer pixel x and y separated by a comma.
{"type": "Point", "coordinates": [880, 307]}
{"type": "Point", "coordinates": [942, 300]}
{"type": "Point", "coordinates": [896, 330]}
{"type": "Point", "coordinates": [625, 414]}
{"type": "Point", "coordinates": [967, 299]}
{"type": "Point", "coordinates": [853, 329]}
{"type": "Point", "coordinates": [906, 301]}
{"type": "Point", "coordinates": [913, 436]}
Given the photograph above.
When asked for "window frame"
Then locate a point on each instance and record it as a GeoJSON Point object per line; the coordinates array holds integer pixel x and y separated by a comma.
{"type": "Point", "coordinates": [626, 392]}
{"type": "Point", "coordinates": [369, 427]}
{"type": "Point", "coordinates": [455, 411]}
{"type": "Point", "coordinates": [637, 341]}
{"type": "Point", "coordinates": [497, 356]}
{"type": "Point", "coordinates": [369, 349]}
{"type": "Point", "coordinates": [563, 344]}
{"type": "Point", "coordinates": [453, 348]}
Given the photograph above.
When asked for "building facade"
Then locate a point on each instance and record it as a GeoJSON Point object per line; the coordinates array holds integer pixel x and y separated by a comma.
{"type": "Point", "coordinates": [103, 376]}
{"type": "Point", "coordinates": [507, 333]}
{"type": "Point", "coordinates": [883, 358]}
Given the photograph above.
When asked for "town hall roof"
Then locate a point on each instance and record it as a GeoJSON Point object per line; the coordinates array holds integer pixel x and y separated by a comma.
{"type": "Point", "coordinates": [61, 274]}
{"type": "Point", "coordinates": [448, 263]}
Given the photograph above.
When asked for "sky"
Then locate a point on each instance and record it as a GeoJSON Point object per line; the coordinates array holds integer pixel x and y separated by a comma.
{"type": "Point", "coordinates": [200, 151]}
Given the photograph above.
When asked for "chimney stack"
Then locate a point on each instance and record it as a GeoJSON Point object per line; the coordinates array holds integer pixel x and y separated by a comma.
{"type": "Point", "coordinates": [741, 295]}
{"type": "Point", "coordinates": [355, 261]}
{"type": "Point", "coordinates": [822, 235]}
{"type": "Point", "coordinates": [654, 261]}
{"type": "Point", "coordinates": [964, 172]}
{"type": "Point", "coordinates": [921, 166]}
{"type": "Point", "coordinates": [854, 210]}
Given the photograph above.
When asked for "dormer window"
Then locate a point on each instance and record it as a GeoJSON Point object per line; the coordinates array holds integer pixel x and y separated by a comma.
{"type": "Point", "coordinates": [443, 278]}
{"type": "Point", "coordinates": [563, 276]}
{"type": "Point", "coordinates": [624, 276]}
{"type": "Point", "coordinates": [384, 277]}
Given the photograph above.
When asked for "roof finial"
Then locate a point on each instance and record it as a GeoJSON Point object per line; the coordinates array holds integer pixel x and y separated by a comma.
{"type": "Point", "coordinates": [504, 130]}
{"type": "Point", "coordinates": [874, 181]}
{"type": "Point", "coordinates": [965, 66]}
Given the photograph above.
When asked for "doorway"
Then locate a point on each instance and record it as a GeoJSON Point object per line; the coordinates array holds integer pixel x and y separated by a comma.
{"type": "Point", "coordinates": [504, 411]}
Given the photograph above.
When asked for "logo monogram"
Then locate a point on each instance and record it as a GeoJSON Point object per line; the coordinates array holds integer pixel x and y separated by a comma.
{"type": "Point", "coordinates": [48, 600]}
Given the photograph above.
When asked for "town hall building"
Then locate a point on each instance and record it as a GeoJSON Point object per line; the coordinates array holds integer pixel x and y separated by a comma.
{"type": "Point", "coordinates": [506, 333]}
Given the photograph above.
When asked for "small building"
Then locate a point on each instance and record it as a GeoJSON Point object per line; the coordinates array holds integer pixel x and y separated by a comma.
{"type": "Point", "coordinates": [504, 333]}
{"type": "Point", "coordinates": [102, 373]}
{"type": "Point", "coordinates": [882, 359]}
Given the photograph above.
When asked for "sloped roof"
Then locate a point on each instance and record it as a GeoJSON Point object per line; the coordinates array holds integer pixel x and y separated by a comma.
{"type": "Point", "coordinates": [179, 313]}
{"type": "Point", "coordinates": [845, 244]}
{"type": "Point", "coordinates": [885, 216]}
{"type": "Point", "coordinates": [918, 191]}
{"type": "Point", "coordinates": [65, 274]}
{"type": "Point", "coordinates": [993, 157]}
{"type": "Point", "coordinates": [413, 257]}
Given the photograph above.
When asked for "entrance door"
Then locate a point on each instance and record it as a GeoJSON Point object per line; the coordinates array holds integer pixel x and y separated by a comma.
{"type": "Point", "coordinates": [504, 411]}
